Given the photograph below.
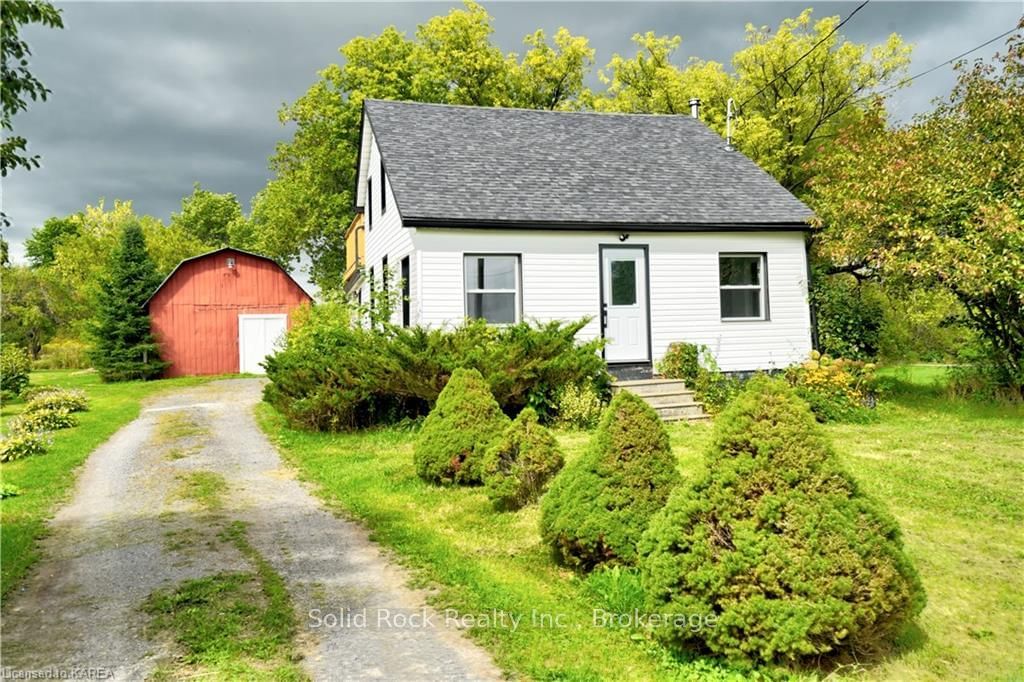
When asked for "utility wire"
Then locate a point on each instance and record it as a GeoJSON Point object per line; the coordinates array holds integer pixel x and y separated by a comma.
{"type": "Point", "coordinates": [805, 54]}
{"type": "Point", "coordinates": [936, 67]}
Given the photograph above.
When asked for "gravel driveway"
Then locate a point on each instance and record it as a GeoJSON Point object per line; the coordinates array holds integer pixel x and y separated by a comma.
{"type": "Point", "coordinates": [115, 543]}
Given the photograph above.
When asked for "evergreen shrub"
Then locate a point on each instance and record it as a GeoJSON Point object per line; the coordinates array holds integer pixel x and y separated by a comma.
{"type": "Point", "coordinates": [457, 433]}
{"type": "Point", "coordinates": [600, 504]}
{"type": "Point", "coordinates": [518, 467]}
{"type": "Point", "coordinates": [777, 542]}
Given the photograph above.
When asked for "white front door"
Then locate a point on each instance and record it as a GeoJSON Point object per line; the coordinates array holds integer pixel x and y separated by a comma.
{"type": "Point", "coordinates": [258, 337]}
{"type": "Point", "coordinates": [624, 304]}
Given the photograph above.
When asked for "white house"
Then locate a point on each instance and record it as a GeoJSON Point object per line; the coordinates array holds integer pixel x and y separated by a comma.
{"type": "Point", "coordinates": [646, 223]}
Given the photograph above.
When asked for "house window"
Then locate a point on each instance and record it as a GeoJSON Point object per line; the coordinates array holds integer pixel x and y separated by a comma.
{"type": "Point", "coordinates": [492, 287]}
{"type": "Point", "coordinates": [369, 204]}
{"type": "Point", "coordinates": [384, 278]}
{"type": "Point", "coordinates": [383, 190]}
{"type": "Point", "coordinates": [742, 286]}
{"type": "Point", "coordinates": [406, 312]}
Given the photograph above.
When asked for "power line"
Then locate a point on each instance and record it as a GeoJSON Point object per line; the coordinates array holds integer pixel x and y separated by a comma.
{"type": "Point", "coordinates": [937, 66]}
{"type": "Point", "coordinates": [805, 54]}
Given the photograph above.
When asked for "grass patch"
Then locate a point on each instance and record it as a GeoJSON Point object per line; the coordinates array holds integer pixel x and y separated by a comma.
{"type": "Point", "coordinates": [230, 625]}
{"type": "Point", "coordinates": [950, 471]}
{"type": "Point", "coordinates": [205, 488]}
{"type": "Point", "coordinates": [177, 453]}
{"type": "Point", "coordinates": [173, 426]}
{"type": "Point", "coordinates": [44, 481]}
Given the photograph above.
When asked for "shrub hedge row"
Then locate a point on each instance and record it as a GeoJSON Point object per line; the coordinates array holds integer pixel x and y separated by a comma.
{"type": "Point", "coordinates": [337, 374]}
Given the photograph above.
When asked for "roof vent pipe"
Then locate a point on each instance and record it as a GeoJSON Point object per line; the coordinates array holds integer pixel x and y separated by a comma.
{"type": "Point", "coordinates": [728, 125]}
{"type": "Point", "coordinates": [695, 107]}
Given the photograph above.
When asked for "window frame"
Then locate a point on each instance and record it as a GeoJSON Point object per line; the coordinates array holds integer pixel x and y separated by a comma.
{"type": "Point", "coordinates": [383, 188]}
{"type": "Point", "coordinates": [762, 287]}
{"type": "Point", "coordinates": [517, 306]}
{"type": "Point", "coordinates": [369, 204]}
{"type": "Point", "coordinates": [406, 270]}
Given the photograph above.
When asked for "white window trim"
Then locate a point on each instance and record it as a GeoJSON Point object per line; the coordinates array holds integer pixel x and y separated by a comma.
{"type": "Point", "coordinates": [762, 288]}
{"type": "Point", "coordinates": [517, 259]}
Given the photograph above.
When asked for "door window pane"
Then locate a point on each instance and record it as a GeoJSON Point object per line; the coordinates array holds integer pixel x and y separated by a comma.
{"type": "Point", "coordinates": [734, 270]}
{"type": "Point", "coordinates": [495, 308]}
{"type": "Point", "coordinates": [623, 273]}
{"type": "Point", "coordinates": [490, 272]}
{"type": "Point", "coordinates": [741, 303]}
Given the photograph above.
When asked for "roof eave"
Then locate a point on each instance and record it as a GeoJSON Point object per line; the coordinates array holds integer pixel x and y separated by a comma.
{"type": "Point", "coordinates": [631, 226]}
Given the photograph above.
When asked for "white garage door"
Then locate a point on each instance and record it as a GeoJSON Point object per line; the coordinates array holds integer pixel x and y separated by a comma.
{"type": "Point", "coordinates": [258, 337]}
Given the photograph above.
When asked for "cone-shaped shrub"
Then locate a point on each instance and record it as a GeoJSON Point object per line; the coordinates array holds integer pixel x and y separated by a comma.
{"type": "Point", "coordinates": [464, 423]}
{"type": "Point", "coordinates": [598, 507]}
{"type": "Point", "coordinates": [777, 542]}
{"type": "Point", "coordinates": [518, 467]}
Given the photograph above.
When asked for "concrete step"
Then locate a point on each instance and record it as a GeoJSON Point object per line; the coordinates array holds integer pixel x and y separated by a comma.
{"type": "Point", "coordinates": [645, 387]}
{"type": "Point", "coordinates": [669, 397]}
{"type": "Point", "coordinates": [694, 412]}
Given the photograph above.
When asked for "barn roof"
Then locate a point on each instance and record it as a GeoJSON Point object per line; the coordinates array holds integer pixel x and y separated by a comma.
{"type": "Point", "coordinates": [453, 166]}
{"type": "Point", "coordinates": [214, 253]}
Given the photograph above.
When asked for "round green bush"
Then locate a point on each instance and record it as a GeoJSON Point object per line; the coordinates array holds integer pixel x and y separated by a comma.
{"type": "Point", "coordinates": [681, 361]}
{"type": "Point", "coordinates": [15, 366]}
{"type": "Point", "coordinates": [777, 542]}
{"type": "Point", "coordinates": [464, 423]}
{"type": "Point", "coordinates": [598, 507]}
{"type": "Point", "coordinates": [518, 467]}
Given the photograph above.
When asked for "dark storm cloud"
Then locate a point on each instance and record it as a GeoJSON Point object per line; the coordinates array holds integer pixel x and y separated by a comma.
{"type": "Point", "coordinates": [149, 98]}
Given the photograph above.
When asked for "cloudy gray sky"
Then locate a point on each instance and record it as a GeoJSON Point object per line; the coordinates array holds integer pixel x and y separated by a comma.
{"type": "Point", "coordinates": [149, 98]}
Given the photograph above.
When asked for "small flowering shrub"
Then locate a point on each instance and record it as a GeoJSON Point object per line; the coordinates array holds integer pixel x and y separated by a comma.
{"type": "Point", "coordinates": [19, 444]}
{"type": "Point", "coordinates": [837, 389]}
{"type": "Point", "coordinates": [579, 407]}
{"type": "Point", "coordinates": [32, 392]}
{"type": "Point", "coordinates": [72, 401]}
{"type": "Point", "coordinates": [39, 420]}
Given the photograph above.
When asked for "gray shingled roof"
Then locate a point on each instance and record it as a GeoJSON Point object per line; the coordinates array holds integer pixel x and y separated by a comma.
{"type": "Point", "coordinates": [458, 165]}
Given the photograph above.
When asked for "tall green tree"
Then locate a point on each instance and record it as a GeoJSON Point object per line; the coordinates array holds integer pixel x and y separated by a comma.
{"type": "Point", "coordinates": [939, 203]}
{"type": "Point", "coordinates": [80, 259]}
{"type": "Point", "coordinates": [124, 347]}
{"type": "Point", "coordinates": [208, 216]}
{"type": "Point", "coordinates": [40, 247]}
{"type": "Point", "coordinates": [19, 84]}
{"type": "Point", "coordinates": [451, 59]}
{"type": "Point", "coordinates": [783, 113]}
{"type": "Point", "coordinates": [29, 314]}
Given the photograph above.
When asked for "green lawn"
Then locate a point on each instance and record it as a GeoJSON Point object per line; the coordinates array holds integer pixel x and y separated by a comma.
{"type": "Point", "coordinates": [46, 480]}
{"type": "Point", "coordinates": [950, 471]}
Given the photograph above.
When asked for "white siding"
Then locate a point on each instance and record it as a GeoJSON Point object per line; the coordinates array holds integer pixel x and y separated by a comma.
{"type": "Point", "coordinates": [385, 235]}
{"type": "Point", "coordinates": [560, 282]}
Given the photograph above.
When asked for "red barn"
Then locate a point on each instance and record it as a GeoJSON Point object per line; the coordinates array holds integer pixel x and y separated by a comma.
{"type": "Point", "coordinates": [222, 312]}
